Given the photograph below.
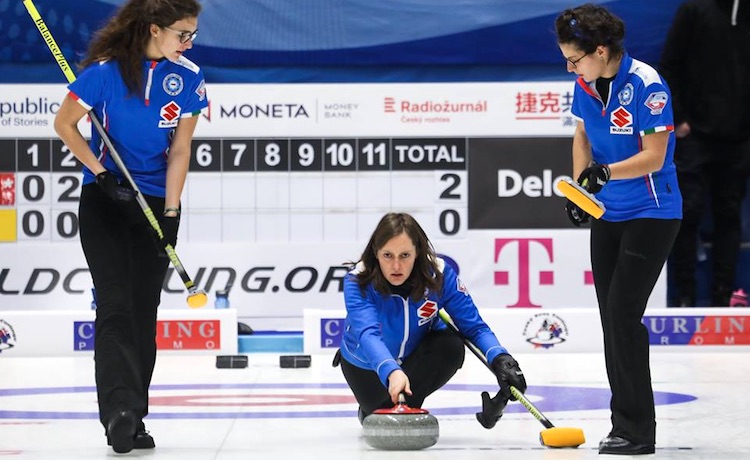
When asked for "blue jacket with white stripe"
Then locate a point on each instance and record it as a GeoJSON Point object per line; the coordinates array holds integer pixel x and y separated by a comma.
{"type": "Point", "coordinates": [381, 330]}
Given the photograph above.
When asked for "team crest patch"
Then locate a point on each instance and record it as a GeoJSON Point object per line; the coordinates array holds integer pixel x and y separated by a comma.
{"type": "Point", "coordinates": [461, 286]}
{"type": "Point", "coordinates": [170, 115]}
{"type": "Point", "coordinates": [625, 96]}
{"type": "Point", "coordinates": [656, 102]}
{"type": "Point", "coordinates": [622, 121]}
{"type": "Point", "coordinates": [7, 336]}
{"type": "Point", "coordinates": [173, 84]}
{"type": "Point", "coordinates": [201, 90]}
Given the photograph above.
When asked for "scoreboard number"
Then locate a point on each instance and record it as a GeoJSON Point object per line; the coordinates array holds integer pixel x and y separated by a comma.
{"type": "Point", "coordinates": [269, 189]}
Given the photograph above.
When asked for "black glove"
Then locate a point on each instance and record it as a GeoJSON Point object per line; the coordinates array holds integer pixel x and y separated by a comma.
{"type": "Point", "coordinates": [492, 409]}
{"type": "Point", "coordinates": [576, 215]}
{"type": "Point", "coordinates": [508, 373]}
{"type": "Point", "coordinates": [112, 187]}
{"type": "Point", "coordinates": [594, 177]}
{"type": "Point", "coordinates": [169, 227]}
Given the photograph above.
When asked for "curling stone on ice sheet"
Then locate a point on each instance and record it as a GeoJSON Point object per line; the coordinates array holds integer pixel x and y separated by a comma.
{"type": "Point", "coordinates": [400, 428]}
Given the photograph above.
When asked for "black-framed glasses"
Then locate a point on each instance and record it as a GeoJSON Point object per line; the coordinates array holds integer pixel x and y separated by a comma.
{"type": "Point", "coordinates": [574, 62]}
{"type": "Point", "coordinates": [184, 35]}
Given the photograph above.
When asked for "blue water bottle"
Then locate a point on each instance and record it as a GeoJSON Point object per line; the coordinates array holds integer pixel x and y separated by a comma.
{"type": "Point", "coordinates": [222, 299]}
{"type": "Point", "coordinates": [93, 299]}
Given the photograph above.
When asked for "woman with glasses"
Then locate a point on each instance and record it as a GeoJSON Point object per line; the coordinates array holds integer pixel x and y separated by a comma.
{"type": "Point", "coordinates": [394, 343]}
{"type": "Point", "coordinates": [623, 150]}
{"type": "Point", "coordinates": [148, 96]}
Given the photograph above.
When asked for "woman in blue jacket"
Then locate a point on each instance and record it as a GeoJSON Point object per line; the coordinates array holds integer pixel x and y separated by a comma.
{"type": "Point", "coordinates": [394, 341]}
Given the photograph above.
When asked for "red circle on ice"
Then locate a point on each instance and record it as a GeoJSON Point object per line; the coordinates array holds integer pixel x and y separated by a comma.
{"type": "Point", "coordinates": [249, 400]}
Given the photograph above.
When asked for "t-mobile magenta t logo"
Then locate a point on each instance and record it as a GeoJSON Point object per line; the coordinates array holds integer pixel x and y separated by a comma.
{"type": "Point", "coordinates": [502, 278]}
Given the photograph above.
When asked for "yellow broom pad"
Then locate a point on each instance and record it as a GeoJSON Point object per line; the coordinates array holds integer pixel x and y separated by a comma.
{"type": "Point", "coordinates": [562, 437]}
{"type": "Point", "coordinates": [197, 299]}
{"type": "Point", "coordinates": [581, 197]}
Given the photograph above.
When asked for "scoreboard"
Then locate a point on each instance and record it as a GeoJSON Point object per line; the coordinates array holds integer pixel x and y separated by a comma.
{"type": "Point", "coordinates": [41, 179]}
{"type": "Point", "coordinates": [313, 189]}
{"type": "Point", "coordinates": [251, 190]}
{"type": "Point", "coordinates": [287, 182]}
{"type": "Point", "coordinates": [323, 189]}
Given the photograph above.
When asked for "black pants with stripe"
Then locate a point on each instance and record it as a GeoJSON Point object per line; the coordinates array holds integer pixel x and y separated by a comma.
{"type": "Point", "coordinates": [626, 259]}
{"type": "Point", "coordinates": [128, 274]}
{"type": "Point", "coordinates": [430, 367]}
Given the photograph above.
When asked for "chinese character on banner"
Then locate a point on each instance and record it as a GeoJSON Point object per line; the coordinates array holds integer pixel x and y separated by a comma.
{"type": "Point", "coordinates": [549, 102]}
{"type": "Point", "coordinates": [7, 189]}
{"type": "Point", "coordinates": [526, 103]}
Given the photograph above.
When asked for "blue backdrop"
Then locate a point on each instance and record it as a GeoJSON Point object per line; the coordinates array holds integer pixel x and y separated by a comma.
{"type": "Point", "coordinates": [342, 40]}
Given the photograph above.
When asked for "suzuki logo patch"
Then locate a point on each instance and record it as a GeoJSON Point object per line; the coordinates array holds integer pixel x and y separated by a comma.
{"type": "Point", "coordinates": [622, 121]}
{"type": "Point", "coordinates": [170, 115]}
{"type": "Point", "coordinates": [427, 311]}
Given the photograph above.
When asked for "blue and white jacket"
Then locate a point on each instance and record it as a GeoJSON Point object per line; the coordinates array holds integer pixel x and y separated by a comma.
{"type": "Point", "coordinates": [382, 330]}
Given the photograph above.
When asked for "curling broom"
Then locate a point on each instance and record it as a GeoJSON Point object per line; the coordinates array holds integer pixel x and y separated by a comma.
{"type": "Point", "coordinates": [581, 197]}
{"type": "Point", "coordinates": [552, 436]}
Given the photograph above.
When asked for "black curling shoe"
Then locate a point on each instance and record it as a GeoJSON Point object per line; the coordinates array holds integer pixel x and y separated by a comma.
{"type": "Point", "coordinates": [616, 445]}
{"type": "Point", "coordinates": [143, 440]}
{"type": "Point", "coordinates": [121, 431]}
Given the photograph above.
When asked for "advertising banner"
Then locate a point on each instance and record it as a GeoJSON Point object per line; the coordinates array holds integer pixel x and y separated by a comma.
{"type": "Point", "coordinates": [71, 332]}
{"type": "Point", "coordinates": [287, 182]}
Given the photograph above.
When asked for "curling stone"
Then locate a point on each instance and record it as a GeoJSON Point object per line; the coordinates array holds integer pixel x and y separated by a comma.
{"type": "Point", "coordinates": [400, 428]}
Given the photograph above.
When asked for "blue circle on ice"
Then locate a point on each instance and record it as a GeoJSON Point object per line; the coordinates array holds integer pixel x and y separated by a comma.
{"type": "Point", "coordinates": [545, 398]}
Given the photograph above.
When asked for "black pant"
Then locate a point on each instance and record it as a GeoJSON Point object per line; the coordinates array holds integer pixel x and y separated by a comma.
{"type": "Point", "coordinates": [430, 367]}
{"type": "Point", "coordinates": [626, 259]}
{"type": "Point", "coordinates": [128, 274]}
{"type": "Point", "coordinates": [715, 172]}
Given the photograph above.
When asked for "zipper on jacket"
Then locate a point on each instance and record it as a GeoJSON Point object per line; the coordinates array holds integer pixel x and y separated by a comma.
{"type": "Point", "coordinates": [402, 350]}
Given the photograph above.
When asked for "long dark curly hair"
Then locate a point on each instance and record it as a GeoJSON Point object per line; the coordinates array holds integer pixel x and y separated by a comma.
{"type": "Point", "coordinates": [125, 37]}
